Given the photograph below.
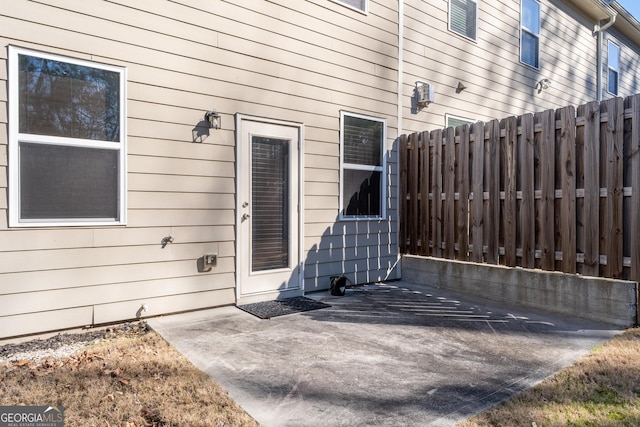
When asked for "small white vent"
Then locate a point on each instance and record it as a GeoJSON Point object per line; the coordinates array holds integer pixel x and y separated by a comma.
{"type": "Point", "coordinates": [424, 93]}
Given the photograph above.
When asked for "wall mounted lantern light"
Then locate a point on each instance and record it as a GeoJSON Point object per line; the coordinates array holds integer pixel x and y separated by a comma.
{"type": "Point", "coordinates": [214, 119]}
{"type": "Point", "coordinates": [543, 84]}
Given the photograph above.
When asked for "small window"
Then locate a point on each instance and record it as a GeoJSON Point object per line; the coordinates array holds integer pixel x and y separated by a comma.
{"type": "Point", "coordinates": [360, 5]}
{"type": "Point", "coordinates": [613, 66]}
{"type": "Point", "coordinates": [362, 143]}
{"type": "Point", "coordinates": [530, 33]}
{"type": "Point", "coordinates": [67, 141]}
{"type": "Point", "coordinates": [463, 16]}
{"type": "Point", "coordinates": [454, 122]}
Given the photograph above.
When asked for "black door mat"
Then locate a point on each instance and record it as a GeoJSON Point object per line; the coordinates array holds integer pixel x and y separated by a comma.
{"type": "Point", "coordinates": [269, 309]}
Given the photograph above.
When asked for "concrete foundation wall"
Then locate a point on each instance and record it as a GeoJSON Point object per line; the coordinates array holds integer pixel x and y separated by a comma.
{"type": "Point", "coordinates": [606, 300]}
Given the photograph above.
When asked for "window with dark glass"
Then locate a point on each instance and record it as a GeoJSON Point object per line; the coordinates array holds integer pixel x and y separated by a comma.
{"type": "Point", "coordinates": [530, 33]}
{"type": "Point", "coordinates": [362, 186]}
{"type": "Point", "coordinates": [463, 17]}
{"type": "Point", "coordinates": [270, 182]}
{"type": "Point", "coordinates": [613, 67]}
{"type": "Point", "coordinates": [67, 141]}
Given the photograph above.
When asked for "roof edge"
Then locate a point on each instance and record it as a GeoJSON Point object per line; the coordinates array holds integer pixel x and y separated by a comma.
{"type": "Point", "coordinates": [599, 10]}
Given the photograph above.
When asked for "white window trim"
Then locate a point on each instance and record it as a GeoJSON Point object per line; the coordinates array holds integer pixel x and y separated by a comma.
{"type": "Point", "coordinates": [448, 116]}
{"type": "Point", "coordinates": [476, 23]}
{"type": "Point", "coordinates": [524, 29]}
{"type": "Point", "coordinates": [610, 68]}
{"type": "Point", "coordinates": [364, 12]}
{"type": "Point", "coordinates": [15, 137]}
{"type": "Point", "coordinates": [382, 169]}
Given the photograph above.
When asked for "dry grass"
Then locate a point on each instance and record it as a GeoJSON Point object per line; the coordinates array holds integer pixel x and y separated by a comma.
{"type": "Point", "coordinates": [127, 381]}
{"type": "Point", "coordinates": [601, 389]}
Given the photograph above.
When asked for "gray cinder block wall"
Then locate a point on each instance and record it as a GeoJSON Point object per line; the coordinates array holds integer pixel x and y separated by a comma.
{"type": "Point", "coordinates": [606, 300]}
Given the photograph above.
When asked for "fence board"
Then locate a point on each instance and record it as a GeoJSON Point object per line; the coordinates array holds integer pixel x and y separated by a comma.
{"type": "Point", "coordinates": [509, 166]}
{"type": "Point", "coordinates": [413, 193]}
{"type": "Point", "coordinates": [492, 171]}
{"type": "Point", "coordinates": [547, 161]}
{"type": "Point", "coordinates": [612, 230]}
{"type": "Point", "coordinates": [554, 190]}
{"type": "Point", "coordinates": [566, 136]}
{"type": "Point", "coordinates": [527, 205]}
{"type": "Point", "coordinates": [591, 214]}
{"type": "Point", "coordinates": [477, 180]}
{"type": "Point", "coordinates": [436, 191]}
{"type": "Point", "coordinates": [424, 193]}
{"type": "Point", "coordinates": [462, 183]}
{"type": "Point", "coordinates": [449, 171]}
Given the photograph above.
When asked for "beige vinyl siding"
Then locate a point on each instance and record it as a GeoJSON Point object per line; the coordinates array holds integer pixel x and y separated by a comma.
{"type": "Point", "coordinates": [288, 60]}
{"type": "Point", "coordinates": [176, 187]}
{"type": "Point", "coordinates": [629, 82]}
{"type": "Point", "coordinates": [497, 83]}
{"type": "Point", "coordinates": [629, 77]}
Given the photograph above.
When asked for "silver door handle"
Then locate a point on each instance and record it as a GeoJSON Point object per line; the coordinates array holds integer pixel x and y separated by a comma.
{"type": "Point", "coordinates": [245, 217]}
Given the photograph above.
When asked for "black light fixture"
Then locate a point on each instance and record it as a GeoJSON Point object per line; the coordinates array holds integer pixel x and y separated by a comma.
{"type": "Point", "coordinates": [213, 118]}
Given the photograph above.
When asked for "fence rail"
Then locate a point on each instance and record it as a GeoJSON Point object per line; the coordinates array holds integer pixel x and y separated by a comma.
{"type": "Point", "coordinates": [552, 190]}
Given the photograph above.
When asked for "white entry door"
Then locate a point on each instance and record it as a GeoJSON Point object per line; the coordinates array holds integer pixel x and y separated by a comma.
{"type": "Point", "coordinates": [268, 223]}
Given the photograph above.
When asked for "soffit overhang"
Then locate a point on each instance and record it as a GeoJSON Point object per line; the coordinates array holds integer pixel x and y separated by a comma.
{"type": "Point", "coordinates": [602, 10]}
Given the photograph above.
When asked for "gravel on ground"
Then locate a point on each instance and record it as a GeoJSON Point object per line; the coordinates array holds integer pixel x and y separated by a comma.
{"type": "Point", "coordinates": [65, 344]}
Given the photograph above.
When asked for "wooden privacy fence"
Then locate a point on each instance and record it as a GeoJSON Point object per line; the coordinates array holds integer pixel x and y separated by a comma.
{"type": "Point", "coordinates": [555, 190]}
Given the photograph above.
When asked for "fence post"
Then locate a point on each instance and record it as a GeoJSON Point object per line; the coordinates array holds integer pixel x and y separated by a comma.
{"type": "Point", "coordinates": [635, 189]}
{"type": "Point", "coordinates": [402, 197]}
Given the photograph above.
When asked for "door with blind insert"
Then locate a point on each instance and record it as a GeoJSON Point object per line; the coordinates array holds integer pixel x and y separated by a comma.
{"type": "Point", "coordinates": [268, 203]}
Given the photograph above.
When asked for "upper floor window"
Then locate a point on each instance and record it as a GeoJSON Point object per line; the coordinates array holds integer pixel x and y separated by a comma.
{"type": "Point", "coordinates": [362, 144]}
{"type": "Point", "coordinates": [360, 5]}
{"type": "Point", "coordinates": [530, 33]}
{"type": "Point", "coordinates": [463, 16]}
{"type": "Point", "coordinates": [66, 141]}
{"type": "Point", "coordinates": [613, 67]}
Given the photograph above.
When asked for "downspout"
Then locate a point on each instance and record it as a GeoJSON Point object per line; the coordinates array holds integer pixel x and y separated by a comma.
{"type": "Point", "coordinates": [400, 62]}
{"type": "Point", "coordinates": [600, 29]}
{"type": "Point", "coordinates": [399, 119]}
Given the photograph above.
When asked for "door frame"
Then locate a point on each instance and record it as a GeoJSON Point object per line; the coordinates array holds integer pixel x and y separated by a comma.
{"type": "Point", "coordinates": [240, 171]}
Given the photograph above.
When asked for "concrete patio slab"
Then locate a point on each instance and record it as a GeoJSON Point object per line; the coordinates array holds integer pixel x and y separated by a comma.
{"type": "Point", "coordinates": [386, 355]}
